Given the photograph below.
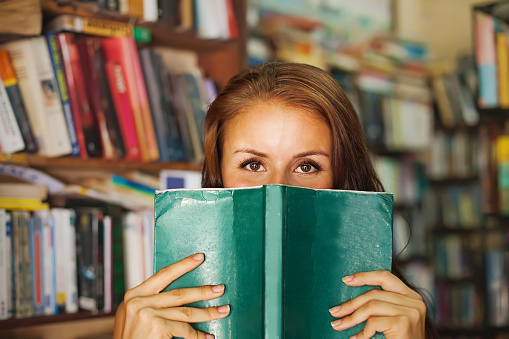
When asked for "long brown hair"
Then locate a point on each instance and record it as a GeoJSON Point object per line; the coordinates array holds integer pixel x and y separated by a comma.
{"type": "Point", "coordinates": [307, 88]}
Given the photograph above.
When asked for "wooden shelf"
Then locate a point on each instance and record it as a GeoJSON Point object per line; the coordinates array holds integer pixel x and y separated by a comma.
{"type": "Point", "coordinates": [42, 162]}
{"type": "Point", "coordinates": [49, 319]}
{"type": "Point", "coordinates": [162, 34]}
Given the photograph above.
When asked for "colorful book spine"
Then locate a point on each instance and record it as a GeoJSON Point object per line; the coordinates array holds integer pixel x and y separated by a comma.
{"type": "Point", "coordinates": [10, 134]}
{"type": "Point", "coordinates": [11, 86]}
{"type": "Point", "coordinates": [118, 52]}
{"type": "Point", "coordinates": [116, 80]}
{"type": "Point", "coordinates": [62, 88]}
{"type": "Point", "coordinates": [503, 173]}
{"type": "Point", "coordinates": [37, 263]}
{"type": "Point", "coordinates": [5, 264]}
{"type": "Point", "coordinates": [146, 115]}
{"type": "Point", "coordinates": [78, 97]}
{"type": "Point", "coordinates": [485, 51]}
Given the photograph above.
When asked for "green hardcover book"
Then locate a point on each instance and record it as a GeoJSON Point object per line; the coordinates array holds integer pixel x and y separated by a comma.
{"type": "Point", "coordinates": [281, 251]}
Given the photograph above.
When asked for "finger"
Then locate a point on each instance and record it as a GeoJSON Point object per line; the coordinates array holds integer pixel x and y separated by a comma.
{"type": "Point", "coordinates": [385, 279]}
{"type": "Point", "coordinates": [166, 276]}
{"type": "Point", "coordinates": [373, 308]}
{"type": "Point", "coordinates": [375, 324]}
{"type": "Point", "coordinates": [183, 296]}
{"type": "Point", "coordinates": [375, 294]}
{"type": "Point", "coordinates": [194, 315]}
{"type": "Point", "coordinates": [175, 329]}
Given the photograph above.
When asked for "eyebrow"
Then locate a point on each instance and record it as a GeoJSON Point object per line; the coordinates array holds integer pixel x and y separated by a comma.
{"type": "Point", "coordinates": [299, 155]}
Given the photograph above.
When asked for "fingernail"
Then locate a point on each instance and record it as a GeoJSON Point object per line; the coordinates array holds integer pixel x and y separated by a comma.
{"type": "Point", "coordinates": [347, 278]}
{"type": "Point", "coordinates": [209, 336]}
{"type": "Point", "coordinates": [335, 309]}
{"type": "Point", "coordinates": [336, 323]}
{"type": "Point", "coordinates": [198, 256]}
{"type": "Point", "coordinates": [218, 288]}
{"type": "Point", "coordinates": [353, 337]}
{"type": "Point", "coordinates": [223, 309]}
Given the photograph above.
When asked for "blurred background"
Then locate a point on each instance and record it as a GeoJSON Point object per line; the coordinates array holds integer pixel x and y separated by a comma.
{"type": "Point", "coordinates": [103, 103]}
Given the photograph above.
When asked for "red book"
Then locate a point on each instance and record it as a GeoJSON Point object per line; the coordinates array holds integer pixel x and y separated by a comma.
{"type": "Point", "coordinates": [87, 48]}
{"type": "Point", "coordinates": [84, 120]}
{"type": "Point", "coordinates": [232, 20]}
{"type": "Point", "coordinates": [119, 51]}
{"type": "Point", "coordinates": [116, 80]}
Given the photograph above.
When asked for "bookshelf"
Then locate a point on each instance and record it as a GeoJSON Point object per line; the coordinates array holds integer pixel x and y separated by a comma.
{"type": "Point", "coordinates": [218, 59]}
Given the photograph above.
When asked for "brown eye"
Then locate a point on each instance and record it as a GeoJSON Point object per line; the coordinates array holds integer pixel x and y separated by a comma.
{"type": "Point", "coordinates": [254, 166]}
{"type": "Point", "coordinates": [307, 168]}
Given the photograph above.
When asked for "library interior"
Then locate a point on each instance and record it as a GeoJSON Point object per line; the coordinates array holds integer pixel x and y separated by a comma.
{"type": "Point", "coordinates": [102, 105]}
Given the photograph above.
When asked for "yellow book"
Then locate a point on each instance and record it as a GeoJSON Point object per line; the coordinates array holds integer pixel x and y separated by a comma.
{"type": "Point", "coordinates": [26, 204]}
{"type": "Point", "coordinates": [503, 173]}
{"type": "Point", "coordinates": [503, 69]}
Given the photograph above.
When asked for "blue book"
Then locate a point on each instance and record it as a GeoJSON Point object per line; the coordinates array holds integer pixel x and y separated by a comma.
{"type": "Point", "coordinates": [56, 61]}
{"type": "Point", "coordinates": [36, 254]}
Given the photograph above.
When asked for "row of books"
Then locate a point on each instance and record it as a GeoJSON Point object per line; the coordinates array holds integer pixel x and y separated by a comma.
{"type": "Point", "coordinates": [454, 206]}
{"type": "Point", "coordinates": [454, 154]}
{"type": "Point", "coordinates": [65, 260]}
{"type": "Point", "coordinates": [497, 282]}
{"type": "Point", "coordinates": [458, 306]}
{"type": "Point", "coordinates": [455, 256]}
{"type": "Point", "coordinates": [396, 112]}
{"type": "Point", "coordinates": [101, 97]}
{"type": "Point", "coordinates": [492, 55]}
{"type": "Point", "coordinates": [209, 19]}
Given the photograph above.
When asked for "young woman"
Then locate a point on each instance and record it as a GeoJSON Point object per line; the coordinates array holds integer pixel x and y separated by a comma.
{"type": "Point", "coordinates": [280, 123]}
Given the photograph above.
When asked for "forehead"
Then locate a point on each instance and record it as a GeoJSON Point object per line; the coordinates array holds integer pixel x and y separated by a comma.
{"type": "Point", "coordinates": [273, 124]}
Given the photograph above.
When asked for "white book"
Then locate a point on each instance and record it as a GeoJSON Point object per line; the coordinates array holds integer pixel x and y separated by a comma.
{"type": "Point", "coordinates": [36, 79]}
{"type": "Point", "coordinates": [108, 264]}
{"type": "Point", "coordinates": [49, 285]}
{"type": "Point", "coordinates": [71, 294]}
{"type": "Point", "coordinates": [5, 265]}
{"type": "Point", "coordinates": [148, 242]}
{"type": "Point", "coordinates": [59, 219]}
{"type": "Point", "coordinates": [10, 134]}
{"type": "Point", "coordinates": [150, 10]}
{"type": "Point", "coordinates": [133, 249]}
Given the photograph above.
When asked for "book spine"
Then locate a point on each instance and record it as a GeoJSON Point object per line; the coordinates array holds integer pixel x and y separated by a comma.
{"type": "Point", "coordinates": [86, 226]}
{"type": "Point", "coordinates": [59, 243]}
{"type": "Point", "coordinates": [5, 276]}
{"type": "Point", "coordinates": [11, 86]}
{"type": "Point", "coordinates": [56, 61]}
{"type": "Point", "coordinates": [53, 112]}
{"type": "Point", "coordinates": [22, 278]}
{"type": "Point", "coordinates": [10, 269]}
{"type": "Point", "coordinates": [154, 96]}
{"type": "Point", "coordinates": [37, 262]}
{"type": "Point", "coordinates": [273, 258]}
{"type": "Point", "coordinates": [86, 56]}
{"type": "Point", "coordinates": [118, 50]}
{"type": "Point", "coordinates": [10, 134]}
{"type": "Point", "coordinates": [63, 40]}
{"type": "Point", "coordinates": [48, 249]}
{"type": "Point", "coordinates": [108, 264]}
{"type": "Point", "coordinates": [502, 68]}
{"type": "Point", "coordinates": [125, 117]}
{"type": "Point", "coordinates": [71, 266]}
{"type": "Point", "coordinates": [141, 91]}
{"type": "Point", "coordinates": [150, 10]}
{"type": "Point", "coordinates": [486, 60]}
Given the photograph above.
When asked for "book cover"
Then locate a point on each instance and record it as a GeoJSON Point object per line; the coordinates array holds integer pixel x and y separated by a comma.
{"type": "Point", "coordinates": [55, 119]}
{"type": "Point", "coordinates": [87, 245]}
{"type": "Point", "coordinates": [58, 68]}
{"type": "Point", "coordinates": [120, 52]}
{"type": "Point", "coordinates": [117, 85]}
{"type": "Point", "coordinates": [11, 86]}
{"type": "Point", "coordinates": [5, 266]}
{"type": "Point", "coordinates": [35, 227]}
{"type": "Point", "coordinates": [22, 268]}
{"type": "Point", "coordinates": [281, 251]}
{"type": "Point", "coordinates": [92, 63]}
{"type": "Point", "coordinates": [11, 138]}
{"type": "Point", "coordinates": [85, 121]}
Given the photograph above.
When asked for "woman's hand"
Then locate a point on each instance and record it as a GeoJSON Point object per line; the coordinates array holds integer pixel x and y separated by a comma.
{"type": "Point", "coordinates": [147, 313]}
{"type": "Point", "coordinates": [396, 310]}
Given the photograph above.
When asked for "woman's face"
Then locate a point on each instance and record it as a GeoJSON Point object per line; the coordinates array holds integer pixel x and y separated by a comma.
{"type": "Point", "coordinates": [271, 143]}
